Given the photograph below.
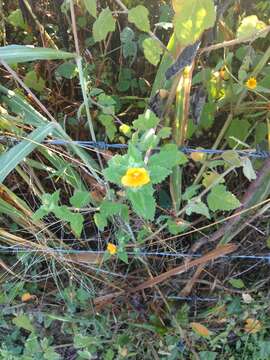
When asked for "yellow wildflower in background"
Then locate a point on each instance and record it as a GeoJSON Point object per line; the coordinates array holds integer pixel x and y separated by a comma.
{"type": "Point", "coordinates": [135, 177]}
{"type": "Point", "coordinates": [251, 83]}
{"type": "Point", "coordinates": [111, 248]}
{"type": "Point", "coordinates": [252, 326]}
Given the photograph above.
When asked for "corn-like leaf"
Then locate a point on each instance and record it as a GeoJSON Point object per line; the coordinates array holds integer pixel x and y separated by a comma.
{"type": "Point", "coordinates": [13, 54]}
{"type": "Point", "coordinates": [10, 159]}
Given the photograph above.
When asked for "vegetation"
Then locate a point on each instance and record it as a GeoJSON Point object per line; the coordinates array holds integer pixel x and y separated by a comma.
{"type": "Point", "coordinates": [140, 240]}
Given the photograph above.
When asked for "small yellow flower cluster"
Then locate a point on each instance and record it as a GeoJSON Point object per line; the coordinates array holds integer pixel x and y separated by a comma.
{"type": "Point", "coordinates": [111, 248]}
{"type": "Point", "coordinates": [135, 177]}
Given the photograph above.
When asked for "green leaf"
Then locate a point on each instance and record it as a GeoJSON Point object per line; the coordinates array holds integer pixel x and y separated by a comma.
{"type": "Point", "coordinates": [139, 16]}
{"type": "Point", "coordinates": [16, 19]}
{"type": "Point", "coordinates": [14, 54]}
{"type": "Point", "coordinates": [208, 355]}
{"type": "Point", "coordinates": [128, 44]}
{"type": "Point", "coordinates": [143, 201]}
{"type": "Point", "coordinates": [117, 168]}
{"type": "Point", "coordinates": [108, 122]}
{"type": "Point", "coordinates": [164, 133]}
{"type": "Point", "coordinates": [23, 321]}
{"type": "Point", "coordinates": [197, 207]}
{"type": "Point", "coordinates": [67, 70]}
{"type": "Point", "coordinates": [80, 199]}
{"type": "Point", "coordinates": [192, 18]}
{"type": "Point", "coordinates": [177, 228]}
{"type": "Point", "coordinates": [250, 26]}
{"type": "Point", "coordinates": [14, 156]}
{"type": "Point", "coordinates": [158, 174]}
{"type": "Point", "coordinates": [146, 121]}
{"type": "Point", "coordinates": [248, 169]}
{"type": "Point", "coordinates": [104, 24]}
{"type": "Point", "coordinates": [76, 224]}
{"type": "Point", "coordinates": [221, 199]}
{"type": "Point", "coordinates": [237, 283]}
{"type": "Point", "coordinates": [168, 157]}
{"type": "Point", "coordinates": [190, 192]}
{"type": "Point", "coordinates": [91, 6]}
{"type": "Point", "coordinates": [33, 81]}
{"type": "Point", "coordinates": [152, 50]}
{"type": "Point", "coordinates": [100, 221]}
{"type": "Point", "coordinates": [238, 129]}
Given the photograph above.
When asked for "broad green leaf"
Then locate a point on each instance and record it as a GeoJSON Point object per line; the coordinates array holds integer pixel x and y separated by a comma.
{"type": "Point", "coordinates": [197, 207]}
{"type": "Point", "coordinates": [108, 122]}
{"type": "Point", "coordinates": [190, 192]}
{"type": "Point", "coordinates": [108, 209]}
{"type": "Point", "coordinates": [165, 132]}
{"type": "Point", "coordinates": [237, 283]}
{"type": "Point", "coordinates": [91, 6]}
{"type": "Point", "coordinates": [168, 157]}
{"type": "Point", "coordinates": [16, 19]}
{"type": "Point", "coordinates": [33, 81]}
{"type": "Point", "coordinates": [146, 121]}
{"type": "Point", "coordinates": [67, 70]}
{"type": "Point", "coordinates": [158, 174]}
{"type": "Point", "coordinates": [23, 321]}
{"type": "Point", "coordinates": [232, 158]}
{"type": "Point", "coordinates": [129, 46]}
{"type": "Point", "coordinates": [248, 169]}
{"type": "Point", "coordinates": [10, 159]}
{"type": "Point", "coordinates": [221, 199]}
{"type": "Point", "coordinates": [210, 177]}
{"type": "Point", "coordinates": [152, 50]}
{"type": "Point", "coordinates": [208, 355]}
{"type": "Point", "coordinates": [143, 202]}
{"type": "Point", "coordinates": [117, 168]}
{"type": "Point", "coordinates": [192, 17]}
{"type": "Point", "coordinates": [250, 26]}
{"type": "Point", "coordinates": [238, 129]}
{"type": "Point", "coordinates": [139, 16]}
{"type": "Point", "coordinates": [13, 54]}
{"type": "Point", "coordinates": [100, 221]}
{"type": "Point", "coordinates": [104, 24]}
{"type": "Point", "coordinates": [80, 199]}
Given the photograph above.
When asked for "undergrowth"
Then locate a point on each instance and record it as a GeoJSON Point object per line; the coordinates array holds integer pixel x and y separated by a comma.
{"type": "Point", "coordinates": [155, 248]}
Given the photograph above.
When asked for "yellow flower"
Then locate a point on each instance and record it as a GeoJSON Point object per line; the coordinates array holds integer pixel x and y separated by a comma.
{"type": "Point", "coordinates": [198, 156]}
{"type": "Point", "coordinates": [27, 297]}
{"type": "Point", "coordinates": [135, 177]}
{"type": "Point", "coordinates": [251, 83]}
{"type": "Point", "coordinates": [111, 248]}
{"type": "Point", "coordinates": [252, 326]}
{"type": "Point", "coordinates": [125, 129]}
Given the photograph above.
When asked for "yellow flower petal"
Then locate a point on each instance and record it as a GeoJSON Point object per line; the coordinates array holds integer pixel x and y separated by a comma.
{"type": "Point", "coordinates": [251, 83]}
{"type": "Point", "coordinates": [252, 326]}
{"type": "Point", "coordinates": [27, 297]}
{"type": "Point", "coordinates": [111, 248]}
{"type": "Point", "coordinates": [135, 177]}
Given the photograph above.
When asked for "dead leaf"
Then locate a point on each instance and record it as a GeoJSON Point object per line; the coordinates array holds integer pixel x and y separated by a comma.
{"type": "Point", "coordinates": [200, 329]}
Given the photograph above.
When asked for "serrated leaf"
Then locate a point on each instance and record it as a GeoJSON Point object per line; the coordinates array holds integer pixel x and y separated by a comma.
{"type": "Point", "coordinates": [198, 208]}
{"type": "Point", "coordinates": [238, 129]}
{"type": "Point", "coordinates": [80, 199]}
{"type": "Point", "coordinates": [192, 18]}
{"type": "Point", "coordinates": [248, 169]}
{"type": "Point", "coordinates": [152, 50]}
{"type": "Point", "coordinates": [91, 6]}
{"type": "Point", "coordinates": [108, 122]}
{"type": "Point", "coordinates": [190, 192]}
{"type": "Point", "coordinates": [250, 26]}
{"type": "Point", "coordinates": [158, 174]}
{"type": "Point", "coordinates": [200, 329]}
{"type": "Point", "coordinates": [146, 121]}
{"type": "Point", "coordinates": [117, 168]}
{"type": "Point", "coordinates": [210, 177]}
{"type": "Point", "coordinates": [168, 157]}
{"type": "Point", "coordinates": [221, 199]}
{"type": "Point", "coordinates": [16, 19]}
{"type": "Point", "coordinates": [104, 24]}
{"type": "Point", "coordinates": [143, 202]}
{"type": "Point", "coordinates": [23, 321]}
{"type": "Point", "coordinates": [139, 16]}
{"type": "Point", "coordinates": [76, 224]}
{"type": "Point", "coordinates": [237, 283]}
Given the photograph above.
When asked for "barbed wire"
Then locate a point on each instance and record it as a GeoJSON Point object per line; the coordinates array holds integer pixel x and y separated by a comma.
{"type": "Point", "coordinates": [102, 145]}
